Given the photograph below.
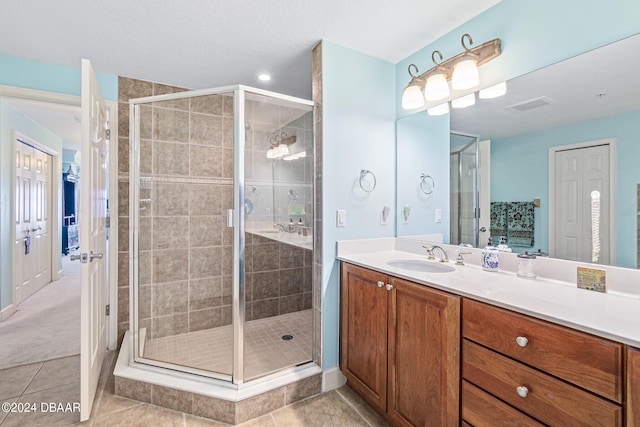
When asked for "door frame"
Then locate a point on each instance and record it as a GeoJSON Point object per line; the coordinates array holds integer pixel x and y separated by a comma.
{"type": "Point", "coordinates": [612, 144]}
{"type": "Point", "coordinates": [60, 98]}
{"type": "Point", "coordinates": [56, 164]}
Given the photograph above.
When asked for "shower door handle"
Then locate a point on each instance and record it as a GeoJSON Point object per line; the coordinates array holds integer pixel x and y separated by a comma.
{"type": "Point", "coordinates": [230, 218]}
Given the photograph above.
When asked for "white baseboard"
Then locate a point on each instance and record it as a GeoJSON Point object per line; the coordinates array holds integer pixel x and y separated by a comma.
{"type": "Point", "coordinates": [7, 312]}
{"type": "Point", "coordinates": [332, 379]}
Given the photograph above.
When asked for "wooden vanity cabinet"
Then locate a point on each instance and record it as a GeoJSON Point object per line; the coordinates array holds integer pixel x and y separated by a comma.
{"type": "Point", "coordinates": [400, 347]}
{"type": "Point", "coordinates": [633, 387]}
{"type": "Point", "coordinates": [553, 374]}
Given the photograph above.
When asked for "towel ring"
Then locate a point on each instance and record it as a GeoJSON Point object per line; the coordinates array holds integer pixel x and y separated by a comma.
{"type": "Point", "coordinates": [367, 186]}
{"type": "Point", "coordinates": [427, 184]}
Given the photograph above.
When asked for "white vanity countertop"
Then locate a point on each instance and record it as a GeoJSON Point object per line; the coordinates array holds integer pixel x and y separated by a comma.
{"type": "Point", "coordinates": [266, 230]}
{"type": "Point", "coordinates": [609, 315]}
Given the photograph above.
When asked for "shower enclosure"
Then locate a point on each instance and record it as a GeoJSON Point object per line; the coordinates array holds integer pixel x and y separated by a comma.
{"type": "Point", "coordinates": [464, 189]}
{"type": "Point", "coordinates": [221, 233]}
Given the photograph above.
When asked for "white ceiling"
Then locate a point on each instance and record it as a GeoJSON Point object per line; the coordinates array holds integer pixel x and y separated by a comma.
{"type": "Point", "coordinates": [209, 43]}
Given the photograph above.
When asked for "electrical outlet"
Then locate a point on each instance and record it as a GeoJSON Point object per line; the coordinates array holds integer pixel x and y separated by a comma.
{"type": "Point", "coordinates": [341, 218]}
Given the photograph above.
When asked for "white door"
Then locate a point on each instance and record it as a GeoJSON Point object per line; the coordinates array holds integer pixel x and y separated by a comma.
{"type": "Point", "coordinates": [484, 192]}
{"type": "Point", "coordinates": [32, 220]}
{"type": "Point", "coordinates": [92, 236]}
{"type": "Point", "coordinates": [578, 173]}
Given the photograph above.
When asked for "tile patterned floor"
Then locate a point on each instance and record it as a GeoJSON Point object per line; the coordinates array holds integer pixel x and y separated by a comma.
{"type": "Point", "coordinates": [57, 381]}
{"type": "Point", "coordinates": [265, 350]}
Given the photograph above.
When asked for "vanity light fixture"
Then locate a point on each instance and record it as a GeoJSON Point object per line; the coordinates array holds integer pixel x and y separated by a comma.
{"type": "Point", "coordinates": [461, 70]}
{"type": "Point", "coordinates": [412, 97]}
{"type": "Point", "coordinates": [436, 87]}
{"type": "Point", "coordinates": [280, 146]}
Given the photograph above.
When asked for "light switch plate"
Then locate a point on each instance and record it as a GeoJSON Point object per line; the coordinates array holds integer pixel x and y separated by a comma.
{"type": "Point", "coordinates": [341, 218]}
{"type": "Point", "coordinates": [438, 215]}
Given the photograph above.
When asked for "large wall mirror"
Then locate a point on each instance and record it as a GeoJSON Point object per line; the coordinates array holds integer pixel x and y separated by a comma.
{"type": "Point", "coordinates": [558, 134]}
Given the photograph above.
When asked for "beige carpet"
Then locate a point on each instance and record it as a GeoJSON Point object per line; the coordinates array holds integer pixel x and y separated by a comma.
{"type": "Point", "coordinates": [46, 325]}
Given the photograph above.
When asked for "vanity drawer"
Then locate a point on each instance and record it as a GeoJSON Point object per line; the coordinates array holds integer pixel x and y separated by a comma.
{"type": "Point", "coordinates": [481, 409]}
{"type": "Point", "coordinates": [588, 361]}
{"type": "Point", "coordinates": [548, 399]}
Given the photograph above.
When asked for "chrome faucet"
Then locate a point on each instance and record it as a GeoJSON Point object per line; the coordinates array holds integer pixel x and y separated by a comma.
{"type": "Point", "coordinates": [432, 249]}
{"type": "Point", "coordinates": [279, 227]}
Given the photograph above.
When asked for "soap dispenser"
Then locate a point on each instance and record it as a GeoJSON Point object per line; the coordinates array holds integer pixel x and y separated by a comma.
{"type": "Point", "coordinates": [490, 257]}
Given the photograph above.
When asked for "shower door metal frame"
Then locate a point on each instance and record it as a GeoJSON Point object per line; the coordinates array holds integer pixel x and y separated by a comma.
{"type": "Point", "coordinates": [476, 197]}
{"type": "Point", "coordinates": [236, 379]}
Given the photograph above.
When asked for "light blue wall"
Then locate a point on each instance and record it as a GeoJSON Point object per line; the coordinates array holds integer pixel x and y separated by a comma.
{"type": "Point", "coordinates": [534, 34]}
{"type": "Point", "coordinates": [13, 120]}
{"type": "Point", "coordinates": [37, 75]}
{"type": "Point", "coordinates": [520, 171]}
{"type": "Point", "coordinates": [29, 74]}
{"type": "Point", "coordinates": [358, 133]}
{"type": "Point", "coordinates": [422, 144]}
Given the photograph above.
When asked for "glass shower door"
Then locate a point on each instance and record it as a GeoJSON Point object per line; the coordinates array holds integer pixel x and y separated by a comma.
{"type": "Point", "coordinates": [182, 185]}
{"type": "Point", "coordinates": [464, 190]}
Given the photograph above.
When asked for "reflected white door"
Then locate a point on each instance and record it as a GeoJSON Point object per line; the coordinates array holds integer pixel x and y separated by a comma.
{"type": "Point", "coordinates": [578, 173]}
{"type": "Point", "coordinates": [484, 192]}
{"type": "Point", "coordinates": [32, 250]}
{"type": "Point", "coordinates": [92, 236]}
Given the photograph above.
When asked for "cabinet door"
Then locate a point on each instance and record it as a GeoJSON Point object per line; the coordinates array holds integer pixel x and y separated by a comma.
{"type": "Point", "coordinates": [633, 387]}
{"type": "Point", "coordinates": [363, 322]}
{"type": "Point", "coordinates": [424, 356]}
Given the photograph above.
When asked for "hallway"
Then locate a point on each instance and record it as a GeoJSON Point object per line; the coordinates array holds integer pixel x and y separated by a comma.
{"type": "Point", "coordinates": [46, 325]}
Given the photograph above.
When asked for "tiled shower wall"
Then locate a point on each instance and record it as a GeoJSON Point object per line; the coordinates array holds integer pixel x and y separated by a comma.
{"type": "Point", "coordinates": [185, 250]}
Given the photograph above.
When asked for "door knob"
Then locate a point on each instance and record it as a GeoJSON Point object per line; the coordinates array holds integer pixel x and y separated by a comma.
{"type": "Point", "coordinates": [92, 256]}
{"type": "Point", "coordinates": [75, 257]}
{"type": "Point", "coordinates": [483, 229]}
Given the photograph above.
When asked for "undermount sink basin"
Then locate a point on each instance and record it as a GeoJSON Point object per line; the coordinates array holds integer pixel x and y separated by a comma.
{"type": "Point", "coordinates": [269, 231]}
{"type": "Point", "coordinates": [421, 266]}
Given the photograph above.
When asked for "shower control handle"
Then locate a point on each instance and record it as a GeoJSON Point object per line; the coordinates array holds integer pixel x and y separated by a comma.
{"type": "Point", "coordinates": [230, 218]}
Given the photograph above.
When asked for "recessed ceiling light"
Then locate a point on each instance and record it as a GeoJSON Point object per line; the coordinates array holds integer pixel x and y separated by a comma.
{"type": "Point", "coordinates": [264, 77]}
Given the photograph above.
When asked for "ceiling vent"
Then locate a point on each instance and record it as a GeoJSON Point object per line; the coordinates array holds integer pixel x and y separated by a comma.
{"type": "Point", "coordinates": [531, 104]}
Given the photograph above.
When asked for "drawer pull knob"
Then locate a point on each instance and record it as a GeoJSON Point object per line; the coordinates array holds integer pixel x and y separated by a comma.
{"type": "Point", "coordinates": [389, 287]}
{"type": "Point", "coordinates": [380, 284]}
{"type": "Point", "coordinates": [522, 391]}
{"type": "Point", "coordinates": [522, 341]}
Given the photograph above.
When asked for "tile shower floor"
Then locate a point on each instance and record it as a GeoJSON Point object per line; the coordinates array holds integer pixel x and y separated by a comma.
{"type": "Point", "coordinates": [265, 350]}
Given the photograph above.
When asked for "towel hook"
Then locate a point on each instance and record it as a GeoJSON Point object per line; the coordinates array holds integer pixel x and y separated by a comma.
{"type": "Point", "coordinates": [427, 184]}
{"type": "Point", "coordinates": [365, 183]}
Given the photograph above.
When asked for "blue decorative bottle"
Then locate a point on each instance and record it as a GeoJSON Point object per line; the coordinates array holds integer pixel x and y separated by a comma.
{"type": "Point", "coordinates": [490, 257]}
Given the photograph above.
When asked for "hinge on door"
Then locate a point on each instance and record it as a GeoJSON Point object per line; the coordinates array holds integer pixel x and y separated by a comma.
{"type": "Point", "coordinates": [108, 134]}
{"type": "Point", "coordinates": [477, 213]}
{"type": "Point", "coordinates": [108, 309]}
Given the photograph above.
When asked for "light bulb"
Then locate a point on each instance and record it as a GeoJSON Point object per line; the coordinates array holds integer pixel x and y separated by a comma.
{"type": "Point", "coordinates": [436, 88]}
{"type": "Point", "coordinates": [465, 101]}
{"type": "Point", "coordinates": [465, 74]}
{"type": "Point", "coordinates": [439, 110]}
{"type": "Point", "coordinates": [412, 97]}
{"type": "Point", "coordinates": [493, 91]}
